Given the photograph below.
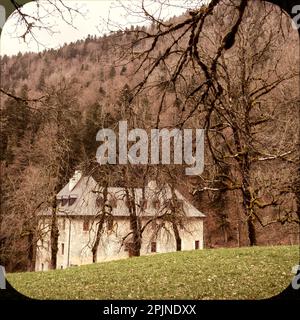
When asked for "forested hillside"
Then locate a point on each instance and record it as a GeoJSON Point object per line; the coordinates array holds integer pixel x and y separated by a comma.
{"type": "Point", "coordinates": [53, 103]}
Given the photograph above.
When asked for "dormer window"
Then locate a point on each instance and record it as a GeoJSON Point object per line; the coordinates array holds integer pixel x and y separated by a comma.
{"type": "Point", "coordinates": [64, 200]}
{"type": "Point", "coordinates": [72, 199]}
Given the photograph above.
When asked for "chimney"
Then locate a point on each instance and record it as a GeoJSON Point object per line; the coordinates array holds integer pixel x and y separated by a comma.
{"type": "Point", "coordinates": [75, 179]}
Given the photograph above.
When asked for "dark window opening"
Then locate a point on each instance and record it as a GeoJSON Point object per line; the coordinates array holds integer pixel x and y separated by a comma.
{"type": "Point", "coordinates": [110, 223]}
{"type": "Point", "coordinates": [154, 225]}
{"type": "Point", "coordinates": [153, 246]}
{"type": "Point", "coordinates": [64, 201]}
{"type": "Point", "coordinates": [197, 244]}
{"type": "Point", "coordinates": [72, 199]}
{"type": "Point", "coordinates": [86, 225]}
{"type": "Point", "coordinates": [62, 248]}
{"type": "Point", "coordinates": [99, 201]}
{"type": "Point", "coordinates": [156, 204]}
{"type": "Point", "coordinates": [143, 204]}
{"type": "Point", "coordinates": [63, 224]}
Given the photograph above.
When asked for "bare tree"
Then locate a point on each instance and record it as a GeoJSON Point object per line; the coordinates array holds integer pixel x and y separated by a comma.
{"type": "Point", "coordinates": [232, 97]}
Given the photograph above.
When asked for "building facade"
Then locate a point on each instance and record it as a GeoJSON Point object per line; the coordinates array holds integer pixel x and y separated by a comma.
{"type": "Point", "coordinates": [80, 206]}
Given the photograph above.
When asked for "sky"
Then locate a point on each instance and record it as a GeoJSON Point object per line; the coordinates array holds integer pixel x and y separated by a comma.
{"type": "Point", "coordinates": [96, 17]}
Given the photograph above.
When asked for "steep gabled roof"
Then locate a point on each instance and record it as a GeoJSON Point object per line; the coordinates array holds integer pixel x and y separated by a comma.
{"type": "Point", "coordinates": [87, 191]}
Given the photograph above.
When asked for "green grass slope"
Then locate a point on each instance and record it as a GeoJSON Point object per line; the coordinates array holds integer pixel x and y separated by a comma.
{"type": "Point", "coordinates": [239, 273]}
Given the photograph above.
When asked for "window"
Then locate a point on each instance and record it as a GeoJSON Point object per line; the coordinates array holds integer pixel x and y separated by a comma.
{"type": "Point", "coordinates": [62, 248]}
{"type": "Point", "coordinates": [143, 204]}
{"type": "Point", "coordinates": [99, 201]}
{"type": "Point", "coordinates": [63, 224]}
{"type": "Point", "coordinates": [110, 223]}
{"type": "Point", "coordinates": [64, 200]}
{"type": "Point", "coordinates": [155, 204]}
{"type": "Point", "coordinates": [197, 244]}
{"type": "Point", "coordinates": [42, 267]}
{"type": "Point", "coordinates": [72, 199]}
{"type": "Point", "coordinates": [86, 225]}
{"type": "Point", "coordinates": [154, 225]}
{"type": "Point", "coordinates": [153, 246]}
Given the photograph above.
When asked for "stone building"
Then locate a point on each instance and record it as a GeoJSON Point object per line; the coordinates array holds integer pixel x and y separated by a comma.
{"type": "Point", "coordinates": [79, 209]}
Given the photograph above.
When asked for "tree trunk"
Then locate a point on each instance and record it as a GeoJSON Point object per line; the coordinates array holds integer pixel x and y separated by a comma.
{"type": "Point", "coordinates": [250, 218]}
{"type": "Point", "coordinates": [251, 232]}
{"type": "Point", "coordinates": [100, 225]}
{"type": "Point", "coordinates": [135, 224]}
{"type": "Point", "coordinates": [175, 219]}
{"type": "Point", "coordinates": [238, 231]}
{"type": "Point", "coordinates": [54, 236]}
{"type": "Point", "coordinates": [98, 236]}
{"type": "Point", "coordinates": [225, 234]}
{"type": "Point", "coordinates": [177, 236]}
{"type": "Point", "coordinates": [245, 164]}
{"type": "Point", "coordinates": [31, 251]}
{"type": "Point", "coordinates": [297, 193]}
{"type": "Point", "coordinates": [136, 236]}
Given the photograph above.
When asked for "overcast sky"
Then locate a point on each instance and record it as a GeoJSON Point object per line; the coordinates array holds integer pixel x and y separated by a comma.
{"type": "Point", "coordinates": [98, 17]}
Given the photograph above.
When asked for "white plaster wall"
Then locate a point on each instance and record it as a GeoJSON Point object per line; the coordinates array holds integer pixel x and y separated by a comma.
{"type": "Point", "coordinates": [110, 243]}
